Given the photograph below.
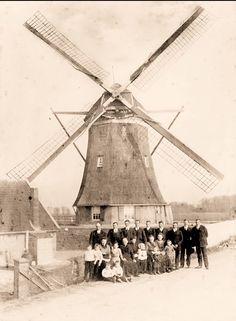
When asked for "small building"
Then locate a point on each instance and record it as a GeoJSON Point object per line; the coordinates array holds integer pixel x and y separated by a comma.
{"type": "Point", "coordinates": [21, 210]}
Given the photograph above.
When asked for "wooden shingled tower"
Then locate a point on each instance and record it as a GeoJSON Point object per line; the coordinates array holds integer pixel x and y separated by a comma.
{"type": "Point", "coordinates": [119, 176]}
{"type": "Point", "coordinates": [119, 181]}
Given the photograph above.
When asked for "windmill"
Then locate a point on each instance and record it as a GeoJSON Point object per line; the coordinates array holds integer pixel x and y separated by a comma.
{"type": "Point", "coordinates": [119, 180]}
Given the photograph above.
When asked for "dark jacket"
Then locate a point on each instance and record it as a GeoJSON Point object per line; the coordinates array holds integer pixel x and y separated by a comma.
{"type": "Point", "coordinates": [176, 237]}
{"type": "Point", "coordinates": [199, 236]}
{"type": "Point", "coordinates": [140, 235]}
{"type": "Point", "coordinates": [127, 252]}
{"type": "Point", "coordinates": [114, 236]}
{"type": "Point", "coordinates": [129, 234]}
{"type": "Point", "coordinates": [134, 247]}
{"type": "Point", "coordinates": [149, 232]}
{"type": "Point", "coordinates": [187, 236]}
{"type": "Point", "coordinates": [164, 232]}
{"type": "Point", "coordinates": [96, 237]}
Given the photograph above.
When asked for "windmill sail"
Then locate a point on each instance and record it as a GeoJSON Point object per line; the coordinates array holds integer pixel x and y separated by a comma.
{"type": "Point", "coordinates": [199, 171]}
{"type": "Point", "coordinates": [203, 177]}
{"type": "Point", "coordinates": [27, 167]}
{"type": "Point", "coordinates": [171, 148]}
{"type": "Point", "coordinates": [42, 28]}
{"type": "Point", "coordinates": [194, 27]}
{"type": "Point", "coordinates": [45, 154]}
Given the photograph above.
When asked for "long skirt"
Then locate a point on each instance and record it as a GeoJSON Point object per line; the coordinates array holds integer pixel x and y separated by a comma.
{"type": "Point", "coordinates": [160, 263]}
{"type": "Point", "coordinates": [130, 268]}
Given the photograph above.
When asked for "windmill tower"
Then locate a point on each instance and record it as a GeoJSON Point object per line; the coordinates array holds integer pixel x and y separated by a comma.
{"type": "Point", "coordinates": [119, 180]}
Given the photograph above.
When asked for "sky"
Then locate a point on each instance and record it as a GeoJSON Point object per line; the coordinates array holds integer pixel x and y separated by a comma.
{"type": "Point", "coordinates": [119, 36]}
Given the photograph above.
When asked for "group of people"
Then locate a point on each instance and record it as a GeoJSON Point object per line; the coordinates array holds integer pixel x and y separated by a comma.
{"type": "Point", "coordinates": [125, 252]}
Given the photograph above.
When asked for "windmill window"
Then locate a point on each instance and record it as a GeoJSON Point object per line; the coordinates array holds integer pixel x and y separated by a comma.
{"type": "Point", "coordinates": [96, 213]}
{"type": "Point", "coordinates": [100, 161]}
{"type": "Point", "coordinates": [146, 161]}
{"type": "Point", "coordinates": [96, 216]}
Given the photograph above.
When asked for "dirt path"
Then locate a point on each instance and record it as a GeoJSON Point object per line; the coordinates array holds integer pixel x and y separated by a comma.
{"type": "Point", "coordinates": [186, 294]}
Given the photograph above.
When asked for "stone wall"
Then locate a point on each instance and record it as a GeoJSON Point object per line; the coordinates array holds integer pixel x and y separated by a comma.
{"type": "Point", "coordinates": [76, 238]}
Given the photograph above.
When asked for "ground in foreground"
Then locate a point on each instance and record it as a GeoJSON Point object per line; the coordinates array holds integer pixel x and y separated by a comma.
{"type": "Point", "coordinates": [186, 294]}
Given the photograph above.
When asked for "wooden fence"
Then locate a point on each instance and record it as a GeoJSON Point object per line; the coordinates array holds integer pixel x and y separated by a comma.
{"type": "Point", "coordinates": [65, 219]}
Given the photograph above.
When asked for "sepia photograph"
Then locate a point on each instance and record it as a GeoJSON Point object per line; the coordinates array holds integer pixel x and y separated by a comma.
{"type": "Point", "coordinates": [117, 163]}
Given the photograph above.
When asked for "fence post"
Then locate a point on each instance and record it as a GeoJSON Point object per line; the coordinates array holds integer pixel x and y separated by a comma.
{"type": "Point", "coordinates": [19, 287]}
{"type": "Point", "coordinates": [27, 240]}
{"type": "Point", "coordinates": [16, 278]}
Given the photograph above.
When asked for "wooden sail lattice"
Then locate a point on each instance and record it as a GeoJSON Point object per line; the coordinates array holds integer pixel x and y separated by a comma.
{"type": "Point", "coordinates": [42, 28]}
{"type": "Point", "coordinates": [197, 174]}
{"type": "Point", "coordinates": [175, 49]}
{"type": "Point", "coordinates": [28, 166]}
{"type": "Point", "coordinates": [189, 167]}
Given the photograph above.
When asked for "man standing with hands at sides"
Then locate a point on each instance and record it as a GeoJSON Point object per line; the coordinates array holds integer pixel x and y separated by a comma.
{"type": "Point", "coordinates": [148, 230]}
{"type": "Point", "coordinates": [186, 245]}
{"type": "Point", "coordinates": [176, 237]}
{"type": "Point", "coordinates": [127, 231]}
{"type": "Point", "coordinates": [161, 229]}
{"type": "Point", "coordinates": [97, 235]}
{"type": "Point", "coordinates": [139, 233]}
{"type": "Point", "coordinates": [114, 234]}
{"type": "Point", "coordinates": [200, 235]}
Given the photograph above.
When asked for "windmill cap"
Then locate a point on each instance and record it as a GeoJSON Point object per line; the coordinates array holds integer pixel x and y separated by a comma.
{"type": "Point", "coordinates": [116, 85]}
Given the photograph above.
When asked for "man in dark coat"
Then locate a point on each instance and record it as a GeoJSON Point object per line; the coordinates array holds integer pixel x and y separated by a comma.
{"type": "Point", "coordinates": [97, 235]}
{"type": "Point", "coordinates": [127, 231]}
{"type": "Point", "coordinates": [139, 233]}
{"type": "Point", "coordinates": [161, 229]}
{"type": "Point", "coordinates": [148, 230]}
{"type": "Point", "coordinates": [199, 236]}
{"type": "Point", "coordinates": [114, 234]}
{"type": "Point", "coordinates": [186, 245]}
{"type": "Point", "coordinates": [176, 237]}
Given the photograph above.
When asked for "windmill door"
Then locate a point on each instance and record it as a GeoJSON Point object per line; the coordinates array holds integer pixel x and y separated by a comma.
{"type": "Point", "coordinates": [127, 213]}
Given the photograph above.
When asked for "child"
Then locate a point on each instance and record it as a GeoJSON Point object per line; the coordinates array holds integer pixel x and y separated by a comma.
{"type": "Point", "coordinates": [170, 256]}
{"type": "Point", "coordinates": [151, 252]}
{"type": "Point", "coordinates": [89, 259]}
{"type": "Point", "coordinates": [108, 274]}
{"type": "Point", "coordinates": [97, 262]}
{"type": "Point", "coordinates": [142, 258]}
{"type": "Point", "coordinates": [160, 257]}
{"type": "Point", "coordinates": [118, 272]}
{"type": "Point", "coordinates": [116, 254]}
